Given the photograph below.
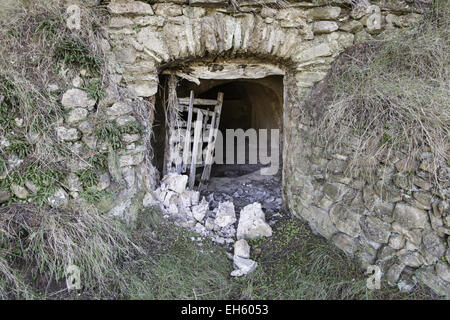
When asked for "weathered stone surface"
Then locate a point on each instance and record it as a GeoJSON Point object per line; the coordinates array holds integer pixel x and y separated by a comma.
{"type": "Point", "coordinates": [176, 182]}
{"type": "Point", "coordinates": [60, 199]}
{"type": "Point", "coordinates": [131, 160]}
{"type": "Point", "coordinates": [252, 223]}
{"type": "Point", "coordinates": [394, 272]}
{"type": "Point", "coordinates": [345, 243]}
{"type": "Point", "coordinates": [428, 277]}
{"type": "Point", "coordinates": [244, 265]}
{"type": "Point", "coordinates": [120, 22]}
{"type": "Point", "coordinates": [421, 183]}
{"type": "Point", "coordinates": [396, 241]}
{"type": "Point", "coordinates": [411, 259]}
{"type": "Point", "coordinates": [86, 127]}
{"type": "Point", "coordinates": [406, 165]}
{"type": "Point", "coordinates": [319, 221]}
{"type": "Point", "coordinates": [103, 182]}
{"type": "Point", "coordinates": [225, 214]}
{"type": "Point", "coordinates": [375, 229]}
{"type": "Point", "coordinates": [4, 196]}
{"type": "Point", "coordinates": [242, 249]}
{"type": "Point", "coordinates": [119, 109]}
{"type": "Point", "coordinates": [76, 115]}
{"type": "Point", "coordinates": [70, 134]}
{"type": "Point", "coordinates": [149, 200]}
{"type": "Point", "coordinates": [19, 191]}
{"type": "Point", "coordinates": [167, 9]}
{"type": "Point", "coordinates": [324, 13]}
{"type": "Point", "coordinates": [320, 27]}
{"type": "Point", "coordinates": [194, 12]}
{"type": "Point", "coordinates": [433, 243]}
{"type": "Point", "coordinates": [409, 217]}
{"type": "Point", "coordinates": [345, 220]}
{"type": "Point", "coordinates": [321, 50]}
{"type": "Point", "coordinates": [415, 236]}
{"type": "Point", "coordinates": [352, 26]}
{"type": "Point", "coordinates": [130, 7]}
{"type": "Point", "coordinates": [443, 271]}
{"type": "Point", "coordinates": [199, 211]}
{"type": "Point", "coordinates": [73, 98]}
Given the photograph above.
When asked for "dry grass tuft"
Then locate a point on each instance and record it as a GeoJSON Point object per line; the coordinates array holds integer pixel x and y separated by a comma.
{"type": "Point", "coordinates": [40, 244]}
{"type": "Point", "coordinates": [391, 98]}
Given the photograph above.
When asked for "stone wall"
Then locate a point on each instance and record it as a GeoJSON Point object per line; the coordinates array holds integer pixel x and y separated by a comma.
{"type": "Point", "coordinates": [399, 222]}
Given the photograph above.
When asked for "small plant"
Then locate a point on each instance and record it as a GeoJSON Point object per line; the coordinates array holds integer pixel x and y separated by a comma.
{"type": "Point", "coordinates": [131, 128]}
{"type": "Point", "coordinates": [2, 165]}
{"type": "Point", "coordinates": [8, 104]}
{"type": "Point", "coordinates": [49, 27]}
{"type": "Point", "coordinates": [110, 133]}
{"type": "Point", "coordinates": [94, 88]}
{"type": "Point", "coordinates": [92, 195]}
{"type": "Point", "coordinates": [73, 52]}
{"type": "Point", "coordinates": [99, 160]}
{"type": "Point", "coordinates": [88, 177]}
{"type": "Point", "coordinates": [18, 146]}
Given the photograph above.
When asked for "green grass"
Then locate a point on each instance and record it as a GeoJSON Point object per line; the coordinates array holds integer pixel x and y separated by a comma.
{"type": "Point", "coordinates": [157, 260]}
{"type": "Point", "coordinates": [111, 133]}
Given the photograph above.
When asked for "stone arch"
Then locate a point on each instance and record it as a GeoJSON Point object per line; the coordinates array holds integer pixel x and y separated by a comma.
{"type": "Point", "coordinates": [304, 39]}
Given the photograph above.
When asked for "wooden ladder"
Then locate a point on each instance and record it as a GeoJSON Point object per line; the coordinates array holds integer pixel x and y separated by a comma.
{"type": "Point", "coordinates": [189, 148]}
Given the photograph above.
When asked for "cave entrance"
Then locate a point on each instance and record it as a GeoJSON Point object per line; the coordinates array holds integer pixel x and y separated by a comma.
{"type": "Point", "coordinates": [252, 108]}
{"type": "Point", "coordinates": [249, 108]}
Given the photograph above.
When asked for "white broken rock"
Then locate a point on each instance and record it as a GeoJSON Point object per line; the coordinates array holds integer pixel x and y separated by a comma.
{"type": "Point", "coordinates": [242, 249]}
{"type": "Point", "coordinates": [176, 182]}
{"type": "Point", "coordinates": [225, 214]}
{"type": "Point", "coordinates": [244, 266]}
{"type": "Point", "coordinates": [252, 223]}
{"type": "Point", "coordinates": [199, 211]}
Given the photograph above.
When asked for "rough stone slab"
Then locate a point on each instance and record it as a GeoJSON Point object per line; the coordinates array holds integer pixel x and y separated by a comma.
{"type": "Point", "coordinates": [175, 182]}
{"type": "Point", "coordinates": [242, 249]}
{"type": "Point", "coordinates": [225, 214]}
{"type": "Point", "coordinates": [245, 265]}
{"type": "Point", "coordinates": [73, 98]}
{"type": "Point", "coordinates": [252, 223]}
{"type": "Point", "coordinates": [409, 216]}
{"type": "Point", "coordinates": [130, 7]}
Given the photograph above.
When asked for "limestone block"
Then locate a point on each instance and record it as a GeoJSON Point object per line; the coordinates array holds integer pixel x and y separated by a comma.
{"type": "Point", "coordinates": [175, 182]}
{"type": "Point", "coordinates": [77, 115]}
{"type": "Point", "coordinates": [409, 216]}
{"type": "Point", "coordinates": [118, 109]}
{"type": "Point", "coordinates": [19, 191]}
{"type": "Point", "coordinates": [73, 98]}
{"type": "Point", "coordinates": [324, 13]}
{"type": "Point", "coordinates": [71, 134]}
{"type": "Point", "coordinates": [252, 223]}
{"type": "Point", "coordinates": [345, 220]}
{"type": "Point", "coordinates": [199, 211]}
{"type": "Point", "coordinates": [167, 9]}
{"type": "Point", "coordinates": [375, 229]}
{"type": "Point", "coordinates": [225, 214]}
{"type": "Point", "coordinates": [320, 27]}
{"type": "Point", "coordinates": [345, 243]}
{"type": "Point", "coordinates": [130, 7]}
{"type": "Point", "coordinates": [242, 249]}
{"type": "Point", "coordinates": [59, 199]}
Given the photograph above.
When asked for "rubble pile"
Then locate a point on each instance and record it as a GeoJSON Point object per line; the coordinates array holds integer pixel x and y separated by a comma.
{"type": "Point", "coordinates": [212, 219]}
